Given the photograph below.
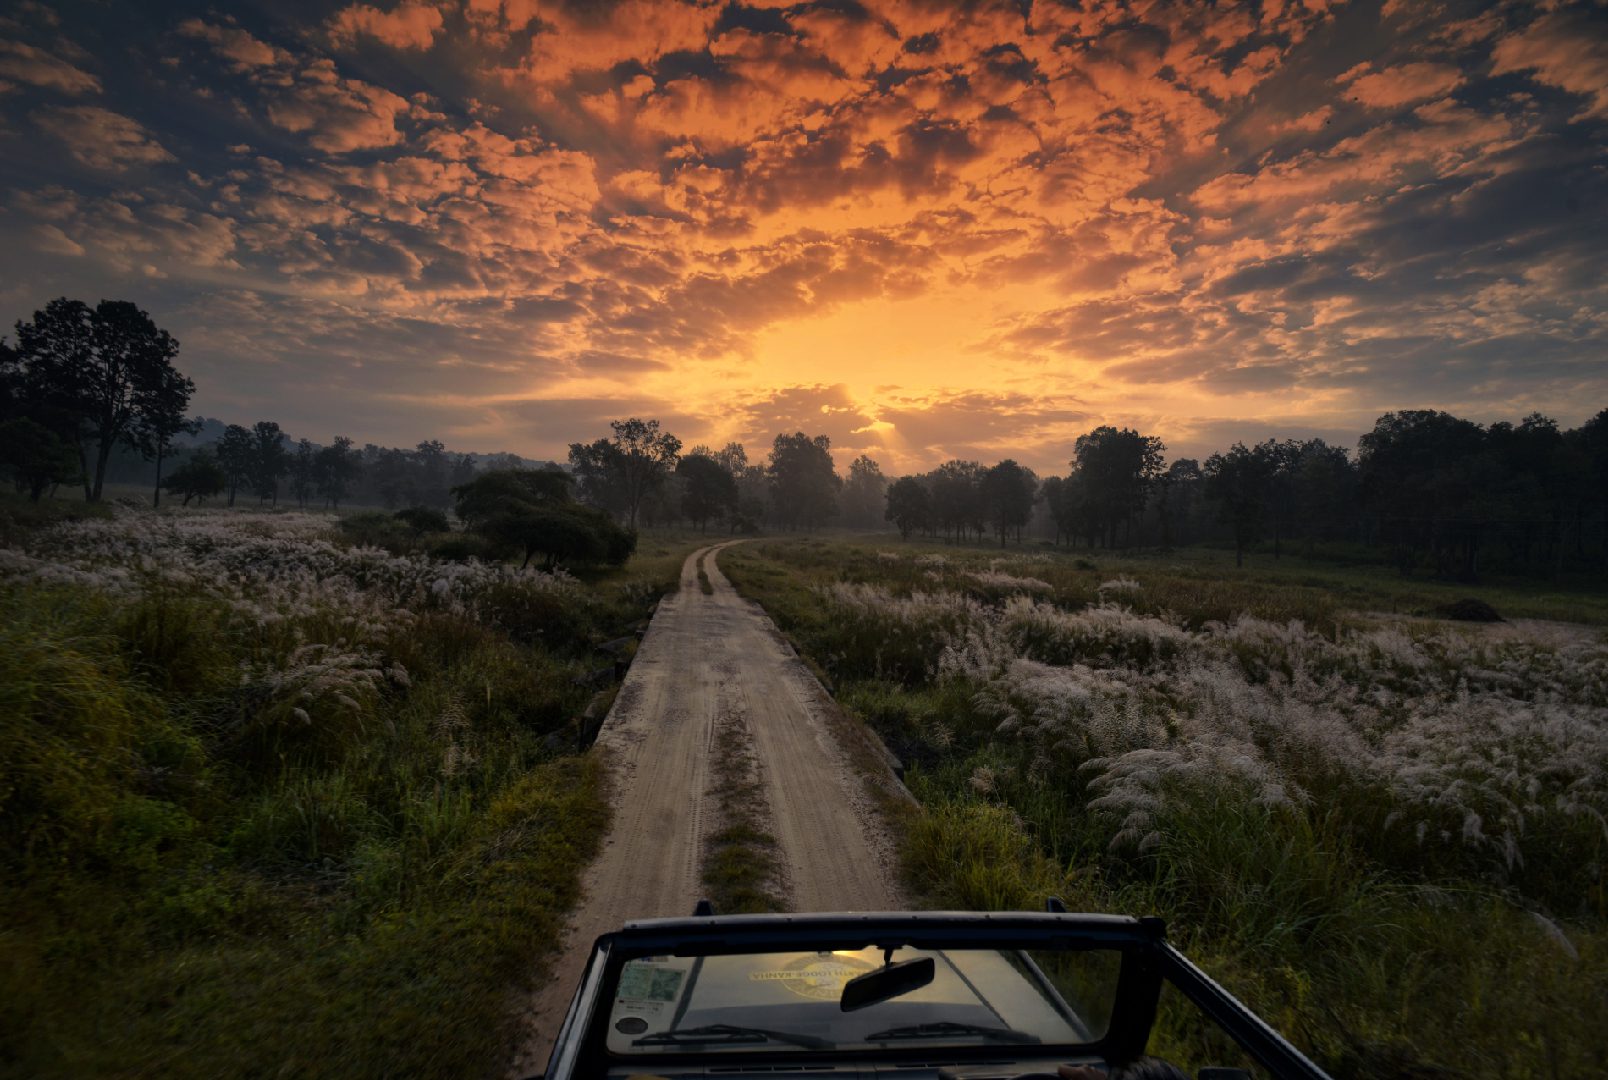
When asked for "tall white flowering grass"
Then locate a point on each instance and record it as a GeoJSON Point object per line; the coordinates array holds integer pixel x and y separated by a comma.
{"type": "Point", "coordinates": [1474, 752]}
{"type": "Point", "coordinates": [273, 570]}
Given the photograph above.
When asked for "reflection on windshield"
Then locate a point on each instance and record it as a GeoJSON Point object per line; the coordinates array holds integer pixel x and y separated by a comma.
{"type": "Point", "coordinates": [784, 1000]}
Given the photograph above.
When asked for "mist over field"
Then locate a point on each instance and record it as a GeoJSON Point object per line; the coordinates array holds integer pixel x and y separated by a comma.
{"type": "Point", "coordinates": [476, 474]}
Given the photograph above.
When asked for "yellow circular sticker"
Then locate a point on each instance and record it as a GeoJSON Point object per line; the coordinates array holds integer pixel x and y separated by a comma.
{"type": "Point", "coordinates": [820, 977]}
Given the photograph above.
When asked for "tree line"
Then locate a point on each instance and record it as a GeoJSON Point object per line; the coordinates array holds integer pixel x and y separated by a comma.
{"type": "Point", "coordinates": [90, 393]}
{"type": "Point", "coordinates": [83, 387]}
{"type": "Point", "coordinates": [1427, 489]}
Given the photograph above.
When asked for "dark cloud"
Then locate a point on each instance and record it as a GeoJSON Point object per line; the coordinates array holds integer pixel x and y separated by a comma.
{"type": "Point", "coordinates": [415, 217]}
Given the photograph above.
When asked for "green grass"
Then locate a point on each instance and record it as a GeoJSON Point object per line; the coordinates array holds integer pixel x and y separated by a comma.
{"type": "Point", "coordinates": [1376, 961]}
{"type": "Point", "coordinates": [196, 884]}
{"type": "Point", "coordinates": [1198, 584]}
{"type": "Point", "coordinates": [740, 861]}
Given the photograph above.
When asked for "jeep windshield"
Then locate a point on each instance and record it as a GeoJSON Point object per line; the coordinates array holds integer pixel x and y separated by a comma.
{"type": "Point", "coordinates": [784, 1001]}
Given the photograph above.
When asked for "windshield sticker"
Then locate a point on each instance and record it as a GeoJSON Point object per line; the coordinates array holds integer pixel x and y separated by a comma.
{"type": "Point", "coordinates": [645, 982]}
{"type": "Point", "coordinates": [819, 978]}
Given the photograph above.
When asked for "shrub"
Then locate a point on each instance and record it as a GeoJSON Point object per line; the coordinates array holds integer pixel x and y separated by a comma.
{"type": "Point", "coordinates": [423, 519]}
{"type": "Point", "coordinates": [1469, 609]}
{"type": "Point", "coordinates": [375, 528]}
{"type": "Point", "coordinates": [459, 547]}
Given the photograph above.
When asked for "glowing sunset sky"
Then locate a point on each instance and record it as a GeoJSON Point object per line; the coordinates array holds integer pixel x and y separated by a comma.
{"type": "Point", "coordinates": [928, 230]}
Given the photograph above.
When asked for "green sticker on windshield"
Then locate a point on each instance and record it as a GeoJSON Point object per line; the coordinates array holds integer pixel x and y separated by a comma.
{"type": "Point", "coordinates": [646, 982]}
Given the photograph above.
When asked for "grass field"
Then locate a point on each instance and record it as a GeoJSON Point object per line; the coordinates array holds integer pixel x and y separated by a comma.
{"type": "Point", "coordinates": [1384, 830]}
{"type": "Point", "coordinates": [273, 805]}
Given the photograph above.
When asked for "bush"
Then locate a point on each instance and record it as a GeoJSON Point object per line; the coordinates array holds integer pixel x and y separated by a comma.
{"type": "Point", "coordinates": [423, 519]}
{"type": "Point", "coordinates": [1469, 609]}
{"type": "Point", "coordinates": [375, 528]}
{"type": "Point", "coordinates": [460, 547]}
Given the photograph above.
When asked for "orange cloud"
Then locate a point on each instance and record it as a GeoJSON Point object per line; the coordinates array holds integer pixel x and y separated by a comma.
{"type": "Point", "coordinates": [1563, 49]}
{"type": "Point", "coordinates": [1402, 85]}
{"type": "Point", "coordinates": [100, 138]}
{"type": "Point", "coordinates": [408, 26]}
{"type": "Point", "coordinates": [36, 67]}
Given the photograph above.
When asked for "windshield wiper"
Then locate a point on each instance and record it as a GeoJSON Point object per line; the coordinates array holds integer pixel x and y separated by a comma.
{"type": "Point", "coordinates": [941, 1028]}
{"type": "Point", "coordinates": [730, 1033]}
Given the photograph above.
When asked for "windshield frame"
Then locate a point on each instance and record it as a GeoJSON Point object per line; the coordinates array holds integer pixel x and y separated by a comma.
{"type": "Point", "coordinates": [1133, 1006]}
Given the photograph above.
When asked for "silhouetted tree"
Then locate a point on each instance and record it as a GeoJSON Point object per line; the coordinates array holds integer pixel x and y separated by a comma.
{"type": "Point", "coordinates": [707, 491]}
{"type": "Point", "coordinates": [1177, 490]}
{"type": "Point", "coordinates": [864, 493]}
{"type": "Point", "coordinates": [1057, 493]}
{"type": "Point", "coordinates": [1116, 468]}
{"type": "Point", "coordinates": [430, 489]}
{"type": "Point", "coordinates": [1238, 483]}
{"type": "Point", "coordinates": [106, 373]}
{"type": "Point", "coordinates": [1325, 496]}
{"type": "Point", "coordinates": [199, 478]}
{"type": "Point", "coordinates": [804, 485]}
{"type": "Point", "coordinates": [159, 416]}
{"type": "Point", "coordinates": [237, 454]}
{"type": "Point", "coordinates": [1007, 491]}
{"type": "Point", "coordinates": [269, 460]}
{"type": "Point", "coordinates": [617, 474]}
{"type": "Point", "coordinates": [303, 472]}
{"type": "Point", "coordinates": [37, 458]}
{"type": "Point", "coordinates": [1592, 440]}
{"type": "Point", "coordinates": [1425, 474]}
{"type": "Point", "coordinates": [335, 467]}
{"type": "Point", "coordinates": [957, 498]}
{"type": "Point", "coordinates": [909, 506]}
{"type": "Point", "coordinates": [534, 511]}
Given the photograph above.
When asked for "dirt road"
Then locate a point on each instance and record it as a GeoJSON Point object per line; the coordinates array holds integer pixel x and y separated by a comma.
{"type": "Point", "coordinates": [706, 662]}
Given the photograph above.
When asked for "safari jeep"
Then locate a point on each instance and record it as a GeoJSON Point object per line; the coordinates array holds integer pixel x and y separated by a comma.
{"type": "Point", "coordinates": [893, 995]}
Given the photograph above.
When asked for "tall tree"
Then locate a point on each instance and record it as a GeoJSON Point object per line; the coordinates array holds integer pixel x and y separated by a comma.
{"type": "Point", "coordinates": [1054, 495]}
{"type": "Point", "coordinates": [617, 474]}
{"type": "Point", "coordinates": [1007, 491]}
{"type": "Point", "coordinates": [1238, 482]}
{"type": "Point", "coordinates": [236, 452]}
{"type": "Point", "coordinates": [645, 456]}
{"type": "Point", "coordinates": [957, 499]}
{"type": "Point", "coordinates": [38, 460]}
{"type": "Point", "coordinates": [1116, 467]}
{"type": "Point", "coordinates": [804, 484]}
{"type": "Point", "coordinates": [269, 460]}
{"type": "Point", "coordinates": [1591, 439]}
{"type": "Point", "coordinates": [1325, 484]}
{"type": "Point", "coordinates": [431, 489]}
{"type": "Point", "coordinates": [707, 491]}
{"type": "Point", "coordinates": [909, 506]}
{"type": "Point", "coordinates": [336, 467]}
{"type": "Point", "coordinates": [303, 472]}
{"type": "Point", "coordinates": [159, 416]}
{"type": "Point", "coordinates": [732, 457]}
{"type": "Point", "coordinates": [1178, 490]}
{"type": "Point", "coordinates": [1428, 478]}
{"type": "Point", "coordinates": [108, 370]}
{"type": "Point", "coordinates": [864, 493]}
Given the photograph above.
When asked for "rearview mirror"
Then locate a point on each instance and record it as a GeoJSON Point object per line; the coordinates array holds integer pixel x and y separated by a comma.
{"type": "Point", "coordinates": [885, 983]}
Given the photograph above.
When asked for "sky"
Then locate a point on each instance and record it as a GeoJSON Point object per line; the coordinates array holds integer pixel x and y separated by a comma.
{"type": "Point", "coordinates": [927, 230]}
